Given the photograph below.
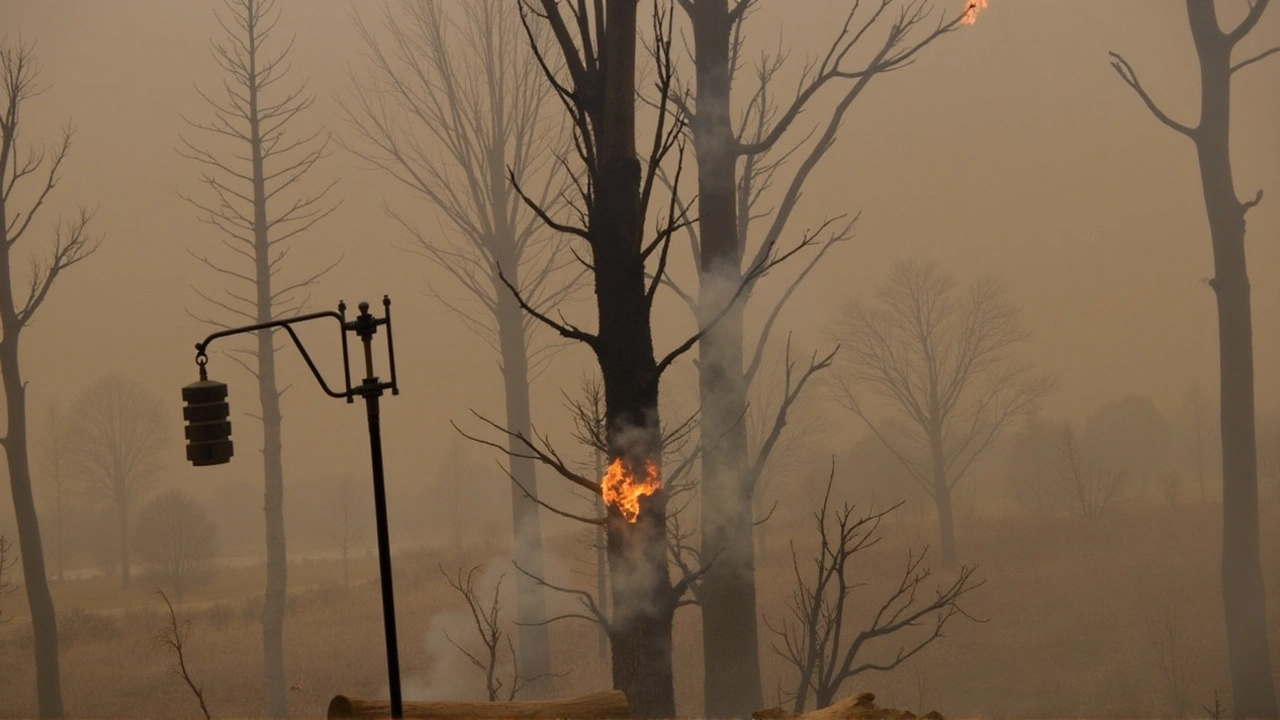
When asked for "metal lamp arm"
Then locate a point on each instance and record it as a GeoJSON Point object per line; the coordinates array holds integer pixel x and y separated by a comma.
{"type": "Point", "coordinates": [202, 347]}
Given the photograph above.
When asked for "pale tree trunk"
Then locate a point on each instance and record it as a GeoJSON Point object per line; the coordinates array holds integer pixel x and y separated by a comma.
{"type": "Point", "coordinates": [731, 654]}
{"type": "Point", "coordinates": [531, 607]}
{"type": "Point", "coordinates": [273, 601]}
{"type": "Point", "coordinates": [44, 620]}
{"type": "Point", "coordinates": [1243, 591]}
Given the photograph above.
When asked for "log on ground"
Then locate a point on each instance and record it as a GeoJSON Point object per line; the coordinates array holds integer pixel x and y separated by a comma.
{"type": "Point", "coordinates": [609, 704]}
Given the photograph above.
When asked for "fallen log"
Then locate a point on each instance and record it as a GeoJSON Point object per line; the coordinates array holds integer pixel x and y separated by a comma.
{"type": "Point", "coordinates": [609, 704]}
{"type": "Point", "coordinates": [859, 707]}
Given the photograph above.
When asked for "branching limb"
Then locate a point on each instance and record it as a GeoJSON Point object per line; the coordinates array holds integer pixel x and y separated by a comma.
{"type": "Point", "coordinates": [1130, 78]}
{"type": "Point", "coordinates": [174, 636]}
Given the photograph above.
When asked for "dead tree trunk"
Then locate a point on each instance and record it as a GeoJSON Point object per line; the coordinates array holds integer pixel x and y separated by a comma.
{"type": "Point", "coordinates": [1243, 591]}
{"type": "Point", "coordinates": [71, 244]}
{"type": "Point", "coordinates": [255, 220]}
{"type": "Point", "coordinates": [727, 594]}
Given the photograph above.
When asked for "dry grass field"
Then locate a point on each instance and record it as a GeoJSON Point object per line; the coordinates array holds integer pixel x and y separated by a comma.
{"type": "Point", "coordinates": [1078, 625]}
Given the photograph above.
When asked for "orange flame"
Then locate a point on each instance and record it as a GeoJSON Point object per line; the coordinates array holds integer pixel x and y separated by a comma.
{"type": "Point", "coordinates": [623, 489]}
{"type": "Point", "coordinates": [971, 11]}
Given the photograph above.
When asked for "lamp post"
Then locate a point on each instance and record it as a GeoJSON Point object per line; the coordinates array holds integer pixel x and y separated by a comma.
{"type": "Point", "coordinates": [209, 442]}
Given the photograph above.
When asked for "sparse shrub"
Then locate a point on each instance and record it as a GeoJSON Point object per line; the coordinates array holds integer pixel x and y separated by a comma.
{"type": "Point", "coordinates": [1088, 488]}
{"type": "Point", "coordinates": [220, 614]}
{"type": "Point", "coordinates": [81, 627]}
{"type": "Point", "coordinates": [1169, 483]}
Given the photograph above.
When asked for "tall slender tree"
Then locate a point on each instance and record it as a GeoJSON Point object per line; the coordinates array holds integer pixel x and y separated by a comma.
{"type": "Point", "coordinates": [72, 241]}
{"type": "Point", "coordinates": [739, 160]}
{"type": "Point", "coordinates": [1243, 591]}
{"type": "Point", "coordinates": [450, 101]}
{"type": "Point", "coordinates": [255, 166]}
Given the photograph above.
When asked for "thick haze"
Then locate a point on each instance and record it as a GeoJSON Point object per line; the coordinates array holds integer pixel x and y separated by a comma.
{"type": "Point", "coordinates": [1011, 146]}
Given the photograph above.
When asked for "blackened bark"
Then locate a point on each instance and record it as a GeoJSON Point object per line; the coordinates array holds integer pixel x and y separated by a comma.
{"type": "Point", "coordinates": [1243, 591]}
{"type": "Point", "coordinates": [731, 656]}
{"type": "Point", "coordinates": [642, 603]}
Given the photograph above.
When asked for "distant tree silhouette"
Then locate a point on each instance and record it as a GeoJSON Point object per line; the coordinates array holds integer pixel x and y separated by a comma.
{"type": "Point", "coordinates": [1198, 434]}
{"type": "Point", "coordinates": [943, 361]}
{"type": "Point", "coordinates": [1253, 688]}
{"type": "Point", "coordinates": [116, 435]}
{"type": "Point", "coordinates": [255, 167]}
{"type": "Point", "coordinates": [55, 454]}
{"type": "Point", "coordinates": [343, 524]}
{"type": "Point", "coordinates": [34, 172]}
{"type": "Point", "coordinates": [453, 100]}
{"type": "Point", "coordinates": [178, 541]}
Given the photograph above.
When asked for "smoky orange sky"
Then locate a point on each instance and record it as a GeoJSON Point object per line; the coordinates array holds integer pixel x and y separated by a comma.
{"type": "Point", "coordinates": [1010, 147]}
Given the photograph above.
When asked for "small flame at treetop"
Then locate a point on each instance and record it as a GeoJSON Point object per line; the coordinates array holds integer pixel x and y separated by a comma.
{"type": "Point", "coordinates": [971, 10]}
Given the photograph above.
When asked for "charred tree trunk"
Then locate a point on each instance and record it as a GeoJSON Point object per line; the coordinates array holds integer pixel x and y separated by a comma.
{"type": "Point", "coordinates": [1243, 591]}
{"type": "Point", "coordinates": [44, 620]}
{"type": "Point", "coordinates": [642, 603]}
{"type": "Point", "coordinates": [731, 656]}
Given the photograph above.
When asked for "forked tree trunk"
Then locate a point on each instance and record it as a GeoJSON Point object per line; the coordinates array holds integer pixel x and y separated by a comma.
{"type": "Point", "coordinates": [642, 603]}
{"type": "Point", "coordinates": [1243, 591]}
{"type": "Point", "coordinates": [731, 654]}
{"type": "Point", "coordinates": [44, 621]}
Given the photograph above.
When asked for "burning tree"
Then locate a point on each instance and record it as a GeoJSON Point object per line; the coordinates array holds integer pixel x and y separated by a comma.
{"type": "Point", "coordinates": [739, 161]}
{"type": "Point", "coordinates": [1243, 591]}
{"type": "Point", "coordinates": [596, 46]}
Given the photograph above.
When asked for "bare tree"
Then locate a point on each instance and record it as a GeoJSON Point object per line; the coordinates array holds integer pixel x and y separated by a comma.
{"type": "Point", "coordinates": [588, 411]}
{"type": "Point", "coordinates": [739, 161]}
{"type": "Point", "coordinates": [72, 241]}
{"type": "Point", "coordinates": [1089, 488]}
{"type": "Point", "coordinates": [342, 523]}
{"type": "Point", "coordinates": [116, 434]}
{"type": "Point", "coordinates": [178, 540]}
{"type": "Point", "coordinates": [1243, 589]}
{"type": "Point", "coordinates": [944, 361]}
{"type": "Point", "coordinates": [1198, 434]}
{"type": "Point", "coordinates": [450, 105]}
{"type": "Point", "coordinates": [7, 560]}
{"type": "Point", "coordinates": [55, 452]}
{"type": "Point", "coordinates": [484, 613]}
{"type": "Point", "coordinates": [595, 45]}
{"type": "Point", "coordinates": [255, 167]}
{"type": "Point", "coordinates": [174, 636]}
{"type": "Point", "coordinates": [817, 638]}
